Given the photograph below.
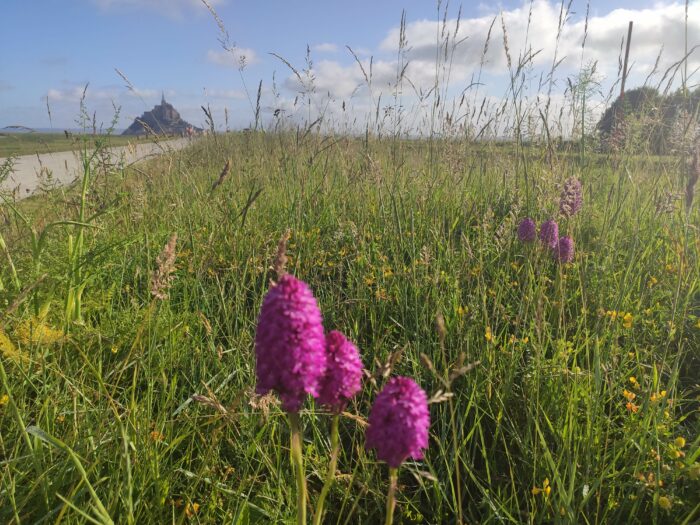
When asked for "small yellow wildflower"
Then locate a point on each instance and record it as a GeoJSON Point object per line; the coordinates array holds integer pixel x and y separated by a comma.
{"type": "Point", "coordinates": [633, 380]}
{"type": "Point", "coordinates": [679, 441]}
{"type": "Point", "coordinates": [629, 396]}
{"type": "Point", "coordinates": [525, 340]}
{"type": "Point", "coordinates": [665, 503]}
{"type": "Point", "coordinates": [652, 281]}
{"type": "Point", "coordinates": [546, 488]}
{"type": "Point", "coordinates": [191, 509]}
{"type": "Point", "coordinates": [632, 407]}
{"type": "Point", "coordinates": [657, 396]}
{"type": "Point", "coordinates": [461, 310]}
{"type": "Point", "coordinates": [488, 335]}
{"type": "Point", "coordinates": [627, 320]}
{"type": "Point", "coordinates": [4, 400]}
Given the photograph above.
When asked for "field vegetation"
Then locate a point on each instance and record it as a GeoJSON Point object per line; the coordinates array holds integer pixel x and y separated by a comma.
{"type": "Point", "coordinates": [562, 389]}
{"type": "Point", "coordinates": [580, 399]}
{"type": "Point", "coordinates": [18, 144]}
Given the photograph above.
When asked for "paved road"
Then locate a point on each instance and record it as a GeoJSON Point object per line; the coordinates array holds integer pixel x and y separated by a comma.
{"type": "Point", "coordinates": [66, 166]}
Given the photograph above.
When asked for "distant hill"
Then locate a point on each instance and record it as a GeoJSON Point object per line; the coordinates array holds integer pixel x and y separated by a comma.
{"type": "Point", "coordinates": [163, 119]}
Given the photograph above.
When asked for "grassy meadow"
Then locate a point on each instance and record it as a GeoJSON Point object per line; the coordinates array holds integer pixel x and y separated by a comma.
{"type": "Point", "coordinates": [17, 144]}
{"type": "Point", "coordinates": [561, 393]}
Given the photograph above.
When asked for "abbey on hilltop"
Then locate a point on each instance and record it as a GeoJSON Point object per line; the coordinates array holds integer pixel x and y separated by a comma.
{"type": "Point", "coordinates": [163, 119]}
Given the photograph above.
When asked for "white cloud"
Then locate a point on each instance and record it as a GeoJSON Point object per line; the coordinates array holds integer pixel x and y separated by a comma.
{"type": "Point", "coordinates": [75, 93]}
{"type": "Point", "coordinates": [533, 28]}
{"type": "Point", "coordinates": [337, 89]}
{"type": "Point", "coordinates": [326, 47]}
{"type": "Point", "coordinates": [233, 58]}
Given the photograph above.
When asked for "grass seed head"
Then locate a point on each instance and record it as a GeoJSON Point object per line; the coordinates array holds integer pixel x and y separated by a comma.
{"type": "Point", "coordinates": [162, 277]}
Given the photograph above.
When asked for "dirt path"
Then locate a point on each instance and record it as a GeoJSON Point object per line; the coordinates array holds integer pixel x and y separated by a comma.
{"type": "Point", "coordinates": [66, 166]}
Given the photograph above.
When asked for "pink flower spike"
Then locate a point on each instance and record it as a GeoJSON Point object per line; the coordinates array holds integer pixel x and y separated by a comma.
{"type": "Point", "coordinates": [399, 422]}
{"type": "Point", "coordinates": [343, 377]}
{"type": "Point", "coordinates": [290, 343]}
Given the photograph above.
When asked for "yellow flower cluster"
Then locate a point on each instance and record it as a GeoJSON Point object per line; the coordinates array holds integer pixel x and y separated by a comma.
{"type": "Point", "coordinates": [656, 397]}
{"type": "Point", "coordinates": [626, 317]}
{"type": "Point", "coordinates": [36, 331]}
{"type": "Point", "coordinates": [191, 509]}
{"type": "Point", "coordinates": [545, 490]}
{"type": "Point", "coordinates": [10, 352]}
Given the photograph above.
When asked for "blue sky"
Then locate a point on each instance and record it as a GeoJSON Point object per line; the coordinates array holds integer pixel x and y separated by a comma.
{"type": "Point", "coordinates": [52, 48]}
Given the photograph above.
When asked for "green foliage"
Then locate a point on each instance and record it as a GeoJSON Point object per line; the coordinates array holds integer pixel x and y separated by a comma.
{"type": "Point", "coordinates": [653, 122]}
{"type": "Point", "coordinates": [572, 415]}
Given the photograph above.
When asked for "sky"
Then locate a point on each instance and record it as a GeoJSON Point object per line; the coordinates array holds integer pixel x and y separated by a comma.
{"type": "Point", "coordinates": [130, 52]}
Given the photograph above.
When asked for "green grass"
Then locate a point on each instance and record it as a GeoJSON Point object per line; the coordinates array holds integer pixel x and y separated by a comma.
{"type": "Point", "coordinates": [18, 144]}
{"type": "Point", "coordinates": [388, 234]}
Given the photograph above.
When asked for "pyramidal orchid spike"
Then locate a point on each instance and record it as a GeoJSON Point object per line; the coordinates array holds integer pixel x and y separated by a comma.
{"type": "Point", "coordinates": [399, 422]}
{"type": "Point", "coordinates": [343, 378]}
{"type": "Point", "coordinates": [290, 343]}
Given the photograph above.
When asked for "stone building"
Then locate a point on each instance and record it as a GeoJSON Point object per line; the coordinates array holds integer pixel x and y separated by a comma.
{"type": "Point", "coordinates": [163, 119]}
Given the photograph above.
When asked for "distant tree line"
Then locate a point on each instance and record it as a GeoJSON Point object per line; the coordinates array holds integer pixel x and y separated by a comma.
{"type": "Point", "coordinates": [647, 120]}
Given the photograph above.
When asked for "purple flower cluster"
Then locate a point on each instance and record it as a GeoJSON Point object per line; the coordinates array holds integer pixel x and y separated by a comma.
{"type": "Point", "coordinates": [343, 377]}
{"type": "Point", "coordinates": [571, 198]}
{"type": "Point", "coordinates": [527, 230]}
{"type": "Point", "coordinates": [562, 248]}
{"type": "Point", "coordinates": [399, 422]}
{"type": "Point", "coordinates": [293, 356]}
{"type": "Point", "coordinates": [564, 252]}
{"type": "Point", "coordinates": [549, 233]}
{"type": "Point", "coordinates": [289, 343]}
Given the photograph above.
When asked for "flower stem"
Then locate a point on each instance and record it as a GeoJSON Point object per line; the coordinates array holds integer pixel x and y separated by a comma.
{"type": "Point", "coordinates": [330, 475]}
{"type": "Point", "coordinates": [298, 462]}
{"type": "Point", "coordinates": [390, 497]}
